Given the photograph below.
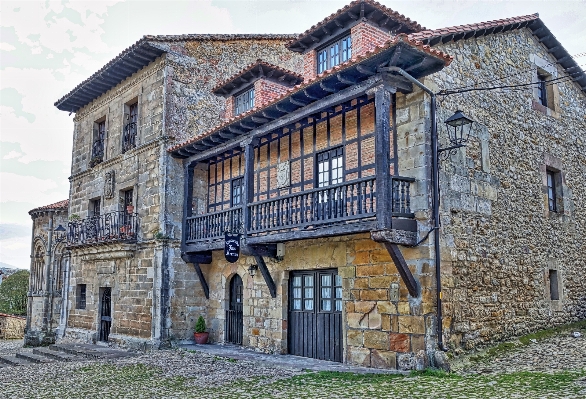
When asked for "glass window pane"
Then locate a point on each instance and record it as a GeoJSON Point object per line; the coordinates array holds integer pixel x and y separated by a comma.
{"type": "Point", "coordinates": [308, 281]}
{"type": "Point", "coordinates": [309, 292]}
{"type": "Point", "coordinates": [326, 292]}
{"type": "Point", "coordinates": [309, 304]}
{"type": "Point", "coordinates": [297, 304]}
{"type": "Point", "coordinates": [338, 305]}
{"type": "Point", "coordinates": [338, 292]}
{"type": "Point", "coordinates": [338, 280]}
{"type": "Point", "coordinates": [297, 281]}
{"type": "Point", "coordinates": [326, 305]}
{"type": "Point", "coordinates": [296, 292]}
{"type": "Point", "coordinates": [326, 279]}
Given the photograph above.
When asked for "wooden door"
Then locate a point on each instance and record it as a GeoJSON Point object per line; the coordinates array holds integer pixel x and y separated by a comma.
{"type": "Point", "coordinates": [234, 321]}
{"type": "Point", "coordinates": [315, 314]}
{"type": "Point", "coordinates": [105, 314]}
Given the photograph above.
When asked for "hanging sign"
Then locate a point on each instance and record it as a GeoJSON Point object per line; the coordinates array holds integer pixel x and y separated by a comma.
{"type": "Point", "coordinates": [232, 247]}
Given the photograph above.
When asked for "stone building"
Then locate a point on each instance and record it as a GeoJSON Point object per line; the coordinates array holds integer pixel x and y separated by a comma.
{"type": "Point", "coordinates": [11, 327]}
{"type": "Point", "coordinates": [313, 154]}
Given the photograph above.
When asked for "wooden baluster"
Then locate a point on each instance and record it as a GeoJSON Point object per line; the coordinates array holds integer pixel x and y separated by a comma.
{"type": "Point", "coordinates": [371, 196]}
{"type": "Point", "coordinates": [403, 197]}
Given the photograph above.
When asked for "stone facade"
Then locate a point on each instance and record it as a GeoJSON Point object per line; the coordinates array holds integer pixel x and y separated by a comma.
{"type": "Point", "coordinates": [510, 264]}
{"type": "Point", "coordinates": [49, 261]}
{"type": "Point", "coordinates": [12, 327]}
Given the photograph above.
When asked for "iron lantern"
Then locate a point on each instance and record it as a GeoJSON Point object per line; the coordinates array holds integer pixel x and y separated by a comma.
{"type": "Point", "coordinates": [252, 270]}
{"type": "Point", "coordinates": [459, 135]}
{"type": "Point", "coordinates": [60, 229]}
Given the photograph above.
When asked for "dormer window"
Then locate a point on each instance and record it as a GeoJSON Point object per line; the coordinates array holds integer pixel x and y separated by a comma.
{"type": "Point", "coordinates": [244, 102]}
{"type": "Point", "coordinates": [334, 54]}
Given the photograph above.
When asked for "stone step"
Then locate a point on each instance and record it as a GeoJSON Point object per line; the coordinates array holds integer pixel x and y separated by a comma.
{"type": "Point", "coordinates": [12, 360]}
{"type": "Point", "coordinates": [90, 351]}
{"type": "Point", "coordinates": [57, 355]}
{"type": "Point", "coordinates": [33, 358]}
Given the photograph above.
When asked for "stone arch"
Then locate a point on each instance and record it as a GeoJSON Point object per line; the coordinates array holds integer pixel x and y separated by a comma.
{"type": "Point", "coordinates": [38, 265]}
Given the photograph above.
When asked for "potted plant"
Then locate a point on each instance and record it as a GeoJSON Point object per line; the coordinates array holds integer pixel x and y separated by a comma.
{"type": "Point", "coordinates": [200, 335]}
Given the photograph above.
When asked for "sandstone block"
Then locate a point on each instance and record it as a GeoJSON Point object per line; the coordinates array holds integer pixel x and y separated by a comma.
{"type": "Point", "coordinates": [399, 342]}
{"type": "Point", "coordinates": [370, 270]}
{"type": "Point", "coordinates": [376, 339]}
{"type": "Point", "coordinates": [411, 324]}
{"type": "Point", "coordinates": [383, 359]}
{"type": "Point", "coordinates": [374, 295]}
{"type": "Point", "coordinates": [354, 337]}
{"type": "Point", "coordinates": [358, 356]}
{"type": "Point", "coordinates": [386, 307]}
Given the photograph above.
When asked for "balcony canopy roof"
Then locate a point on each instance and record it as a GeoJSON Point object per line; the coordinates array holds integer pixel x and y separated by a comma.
{"type": "Point", "coordinates": [412, 56]}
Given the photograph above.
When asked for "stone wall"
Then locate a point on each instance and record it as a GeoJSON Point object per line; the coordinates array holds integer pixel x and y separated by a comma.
{"type": "Point", "coordinates": [12, 327]}
{"type": "Point", "coordinates": [499, 239]}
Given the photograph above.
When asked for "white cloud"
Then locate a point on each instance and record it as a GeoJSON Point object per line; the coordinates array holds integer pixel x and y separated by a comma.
{"type": "Point", "coordinates": [7, 47]}
{"type": "Point", "coordinates": [18, 188]}
{"type": "Point", "coordinates": [16, 251]}
{"type": "Point", "coordinates": [13, 154]}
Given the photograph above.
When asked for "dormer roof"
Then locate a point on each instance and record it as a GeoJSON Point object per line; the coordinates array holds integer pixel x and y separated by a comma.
{"type": "Point", "coordinates": [257, 70]}
{"type": "Point", "coordinates": [343, 19]}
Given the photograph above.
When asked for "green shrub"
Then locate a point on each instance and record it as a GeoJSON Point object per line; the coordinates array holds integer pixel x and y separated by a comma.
{"type": "Point", "coordinates": [13, 293]}
{"type": "Point", "coordinates": [200, 325]}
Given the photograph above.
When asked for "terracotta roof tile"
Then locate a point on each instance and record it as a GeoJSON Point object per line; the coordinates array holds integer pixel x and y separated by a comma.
{"type": "Point", "coordinates": [398, 17]}
{"type": "Point", "coordinates": [172, 38]}
{"type": "Point", "coordinates": [254, 65]}
{"type": "Point", "coordinates": [426, 34]}
{"type": "Point", "coordinates": [447, 59]}
{"type": "Point", "coordinates": [57, 205]}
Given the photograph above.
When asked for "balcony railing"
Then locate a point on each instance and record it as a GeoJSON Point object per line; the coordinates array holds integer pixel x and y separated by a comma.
{"type": "Point", "coordinates": [129, 137]}
{"type": "Point", "coordinates": [97, 152]}
{"type": "Point", "coordinates": [348, 202]}
{"type": "Point", "coordinates": [109, 227]}
{"type": "Point", "coordinates": [341, 202]}
{"type": "Point", "coordinates": [214, 225]}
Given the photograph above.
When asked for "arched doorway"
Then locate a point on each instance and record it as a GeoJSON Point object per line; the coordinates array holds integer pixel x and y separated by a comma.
{"type": "Point", "coordinates": [234, 322]}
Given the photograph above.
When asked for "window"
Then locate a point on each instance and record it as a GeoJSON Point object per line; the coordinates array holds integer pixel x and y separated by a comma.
{"type": "Point", "coordinates": [334, 54]}
{"type": "Point", "coordinates": [98, 142]}
{"type": "Point", "coordinates": [128, 195]}
{"type": "Point", "coordinates": [243, 102]}
{"type": "Point", "coordinates": [237, 190]}
{"type": "Point", "coordinates": [130, 127]}
{"type": "Point", "coordinates": [95, 206]}
{"type": "Point", "coordinates": [80, 296]}
{"type": "Point", "coordinates": [554, 292]}
{"type": "Point", "coordinates": [551, 191]}
{"type": "Point", "coordinates": [542, 88]}
{"type": "Point", "coordinates": [330, 167]}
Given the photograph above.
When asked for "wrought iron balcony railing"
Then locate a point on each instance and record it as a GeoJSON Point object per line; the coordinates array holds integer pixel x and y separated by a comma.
{"type": "Point", "coordinates": [97, 152]}
{"type": "Point", "coordinates": [109, 227]}
{"type": "Point", "coordinates": [349, 202]}
{"type": "Point", "coordinates": [129, 137]}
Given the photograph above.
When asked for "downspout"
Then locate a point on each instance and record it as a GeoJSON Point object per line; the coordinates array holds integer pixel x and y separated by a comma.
{"type": "Point", "coordinates": [435, 200]}
{"type": "Point", "coordinates": [64, 297]}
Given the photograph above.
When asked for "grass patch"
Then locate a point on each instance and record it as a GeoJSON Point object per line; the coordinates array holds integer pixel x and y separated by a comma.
{"type": "Point", "coordinates": [551, 332]}
{"type": "Point", "coordinates": [434, 373]}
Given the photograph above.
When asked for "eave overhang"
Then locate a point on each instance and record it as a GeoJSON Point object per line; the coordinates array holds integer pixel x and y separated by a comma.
{"type": "Point", "coordinates": [130, 61]}
{"type": "Point", "coordinates": [345, 18]}
{"type": "Point", "coordinates": [532, 22]}
{"type": "Point", "coordinates": [411, 56]}
{"type": "Point", "coordinates": [253, 72]}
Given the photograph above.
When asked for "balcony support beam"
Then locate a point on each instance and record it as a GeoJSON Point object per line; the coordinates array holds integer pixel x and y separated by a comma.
{"type": "Point", "coordinates": [196, 259]}
{"type": "Point", "coordinates": [262, 266]}
{"type": "Point", "coordinates": [383, 105]}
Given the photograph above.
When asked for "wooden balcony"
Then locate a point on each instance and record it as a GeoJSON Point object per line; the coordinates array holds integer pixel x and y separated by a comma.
{"type": "Point", "coordinates": [346, 208]}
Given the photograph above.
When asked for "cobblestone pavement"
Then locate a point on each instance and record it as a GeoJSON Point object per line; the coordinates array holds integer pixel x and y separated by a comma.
{"type": "Point", "coordinates": [552, 368]}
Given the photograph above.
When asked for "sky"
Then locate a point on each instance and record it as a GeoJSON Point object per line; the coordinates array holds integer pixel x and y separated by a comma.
{"type": "Point", "coordinates": [48, 47]}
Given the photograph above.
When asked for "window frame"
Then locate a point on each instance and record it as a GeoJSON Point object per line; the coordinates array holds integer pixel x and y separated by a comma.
{"type": "Point", "coordinates": [237, 182]}
{"type": "Point", "coordinates": [130, 117]}
{"type": "Point", "coordinates": [81, 296]}
{"type": "Point", "coordinates": [244, 98]}
{"type": "Point", "coordinates": [336, 152]}
{"type": "Point", "coordinates": [343, 53]}
{"type": "Point", "coordinates": [96, 204]}
{"type": "Point", "coordinates": [552, 196]}
{"type": "Point", "coordinates": [542, 89]}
